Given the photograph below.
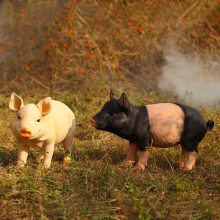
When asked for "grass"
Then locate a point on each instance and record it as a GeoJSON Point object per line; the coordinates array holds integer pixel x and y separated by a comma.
{"type": "Point", "coordinates": [97, 186]}
{"type": "Point", "coordinates": [75, 51]}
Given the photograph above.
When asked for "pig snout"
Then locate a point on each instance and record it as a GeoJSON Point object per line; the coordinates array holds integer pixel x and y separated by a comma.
{"type": "Point", "coordinates": [24, 132]}
{"type": "Point", "coordinates": [100, 120]}
{"type": "Point", "coordinates": [92, 122]}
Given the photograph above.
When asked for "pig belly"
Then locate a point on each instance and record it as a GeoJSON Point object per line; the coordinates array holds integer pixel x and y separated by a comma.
{"type": "Point", "coordinates": [61, 134]}
{"type": "Point", "coordinates": [166, 124]}
{"type": "Point", "coordinates": [62, 118]}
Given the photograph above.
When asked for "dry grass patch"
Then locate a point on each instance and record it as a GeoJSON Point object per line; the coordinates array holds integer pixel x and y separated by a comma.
{"type": "Point", "coordinates": [96, 186]}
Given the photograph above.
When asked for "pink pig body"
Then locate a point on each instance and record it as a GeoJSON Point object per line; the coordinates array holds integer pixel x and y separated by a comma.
{"type": "Point", "coordinates": [42, 125]}
{"type": "Point", "coordinates": [166, 124]}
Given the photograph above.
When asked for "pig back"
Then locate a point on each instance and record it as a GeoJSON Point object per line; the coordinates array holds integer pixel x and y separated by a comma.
{"type": "Point", "coordinates": [62, 119]}
{"type": "Point", "coordinates": [166, 124]}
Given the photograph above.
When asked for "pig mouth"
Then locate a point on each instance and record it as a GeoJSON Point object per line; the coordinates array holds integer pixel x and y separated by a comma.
{"type": "Point", "coordinates": [25, 136]}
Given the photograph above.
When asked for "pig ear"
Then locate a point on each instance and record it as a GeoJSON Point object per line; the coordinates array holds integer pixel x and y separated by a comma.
{"type": "Point", "coordinates": [45, 105]}
{"type": "Point", "coordinates": [16, 102]}
{"type": "Point", "coordinates": [123, 101]}
{"type": "Point", "coordinates": [112, 95]}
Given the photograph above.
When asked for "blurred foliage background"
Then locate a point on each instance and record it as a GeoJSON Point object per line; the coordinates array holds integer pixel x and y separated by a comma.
{"type": "Point", "coordinates": [81, 44]}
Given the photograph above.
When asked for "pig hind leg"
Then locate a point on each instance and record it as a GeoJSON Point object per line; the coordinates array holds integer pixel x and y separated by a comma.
{"type": "Point", "coordinates": [189, 144]}
{"type": "Point", "coordinates": [188, 159]}
{"type": "Point", "coordinates": [190, 141]}
{"type": "Point", "coordinates": [67, 143]}
{"type": "Point", "coordinates": [193, 132]}
{"type": "Point", "coordinates": [40, 156]}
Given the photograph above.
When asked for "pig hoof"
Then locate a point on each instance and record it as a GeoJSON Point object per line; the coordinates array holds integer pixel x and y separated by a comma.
{"type": "Point", "coordinates": [127, 163]}
{"type": "Point", "coordinates": [40, 158]}
{"type": "Point", "coordinates": [140, 166]}
{"type": "Point", "coordinates": [186, 168]}
{"type": "Point", "coordinates": [67, 160]}
{"type": "Point", "coordinates": [20, 164]}
{"type": "Point", "coordinates": [46, 166]}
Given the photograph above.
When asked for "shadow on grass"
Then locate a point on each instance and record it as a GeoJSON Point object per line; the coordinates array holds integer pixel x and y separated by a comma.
{"type": "Point", "coordinates": [161, 162]}
{"type": "Point", "coordinates": [7, 157]}
{"type": "Point", "coordinates": [114, 156]}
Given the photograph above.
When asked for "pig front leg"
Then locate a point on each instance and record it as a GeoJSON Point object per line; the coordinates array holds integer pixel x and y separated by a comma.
{"type": "Point", "coordinates": [143, 159]}
{"type": "Point", "coordinates": [48, 154]}
{"type": "Point", "coordinates": [22, 155]}
{"type": "Point", "coordinates": [131, 153]}
{"type": "Point", "coordinates": [188, 159]}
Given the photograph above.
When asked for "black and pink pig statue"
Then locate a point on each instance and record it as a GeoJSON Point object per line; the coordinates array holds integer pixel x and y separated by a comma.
{"type": "Point", "coordinates": [158, 125]}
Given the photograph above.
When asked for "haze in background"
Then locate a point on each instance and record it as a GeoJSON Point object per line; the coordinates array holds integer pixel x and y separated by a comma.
{"type": "Point", "coordinates": [194, 78]}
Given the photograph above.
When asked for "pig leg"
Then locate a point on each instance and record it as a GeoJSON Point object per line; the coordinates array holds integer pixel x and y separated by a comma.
{"type": "Point", "coordinates": [131, 153]}
{"type": "Point", "coordinates": [40, 156]}
{"type": "Point", "coordinates": [48, 154]}
{"type": "Point", "coordinates": [67, 143]}
{"type": "Point", "coordinates": [22, 155]}
{"type": "Point", "coordinates": [189, 159]}
{"type": "Point", "coordinates": [143, 158]}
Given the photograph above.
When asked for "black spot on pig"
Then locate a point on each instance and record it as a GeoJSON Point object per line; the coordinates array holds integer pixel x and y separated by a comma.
{"type": "Point", "coordinates": [195, 128]}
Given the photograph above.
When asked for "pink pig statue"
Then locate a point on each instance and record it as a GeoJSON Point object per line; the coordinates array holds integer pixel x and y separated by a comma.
{"type": "Point", "coordinates": [42, 125]}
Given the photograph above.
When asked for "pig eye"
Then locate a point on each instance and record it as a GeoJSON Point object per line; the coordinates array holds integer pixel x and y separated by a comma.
{"type": "Point", "coordinates": [18, 117]}
{"type": "Point", "coordinates": [38, 120]}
